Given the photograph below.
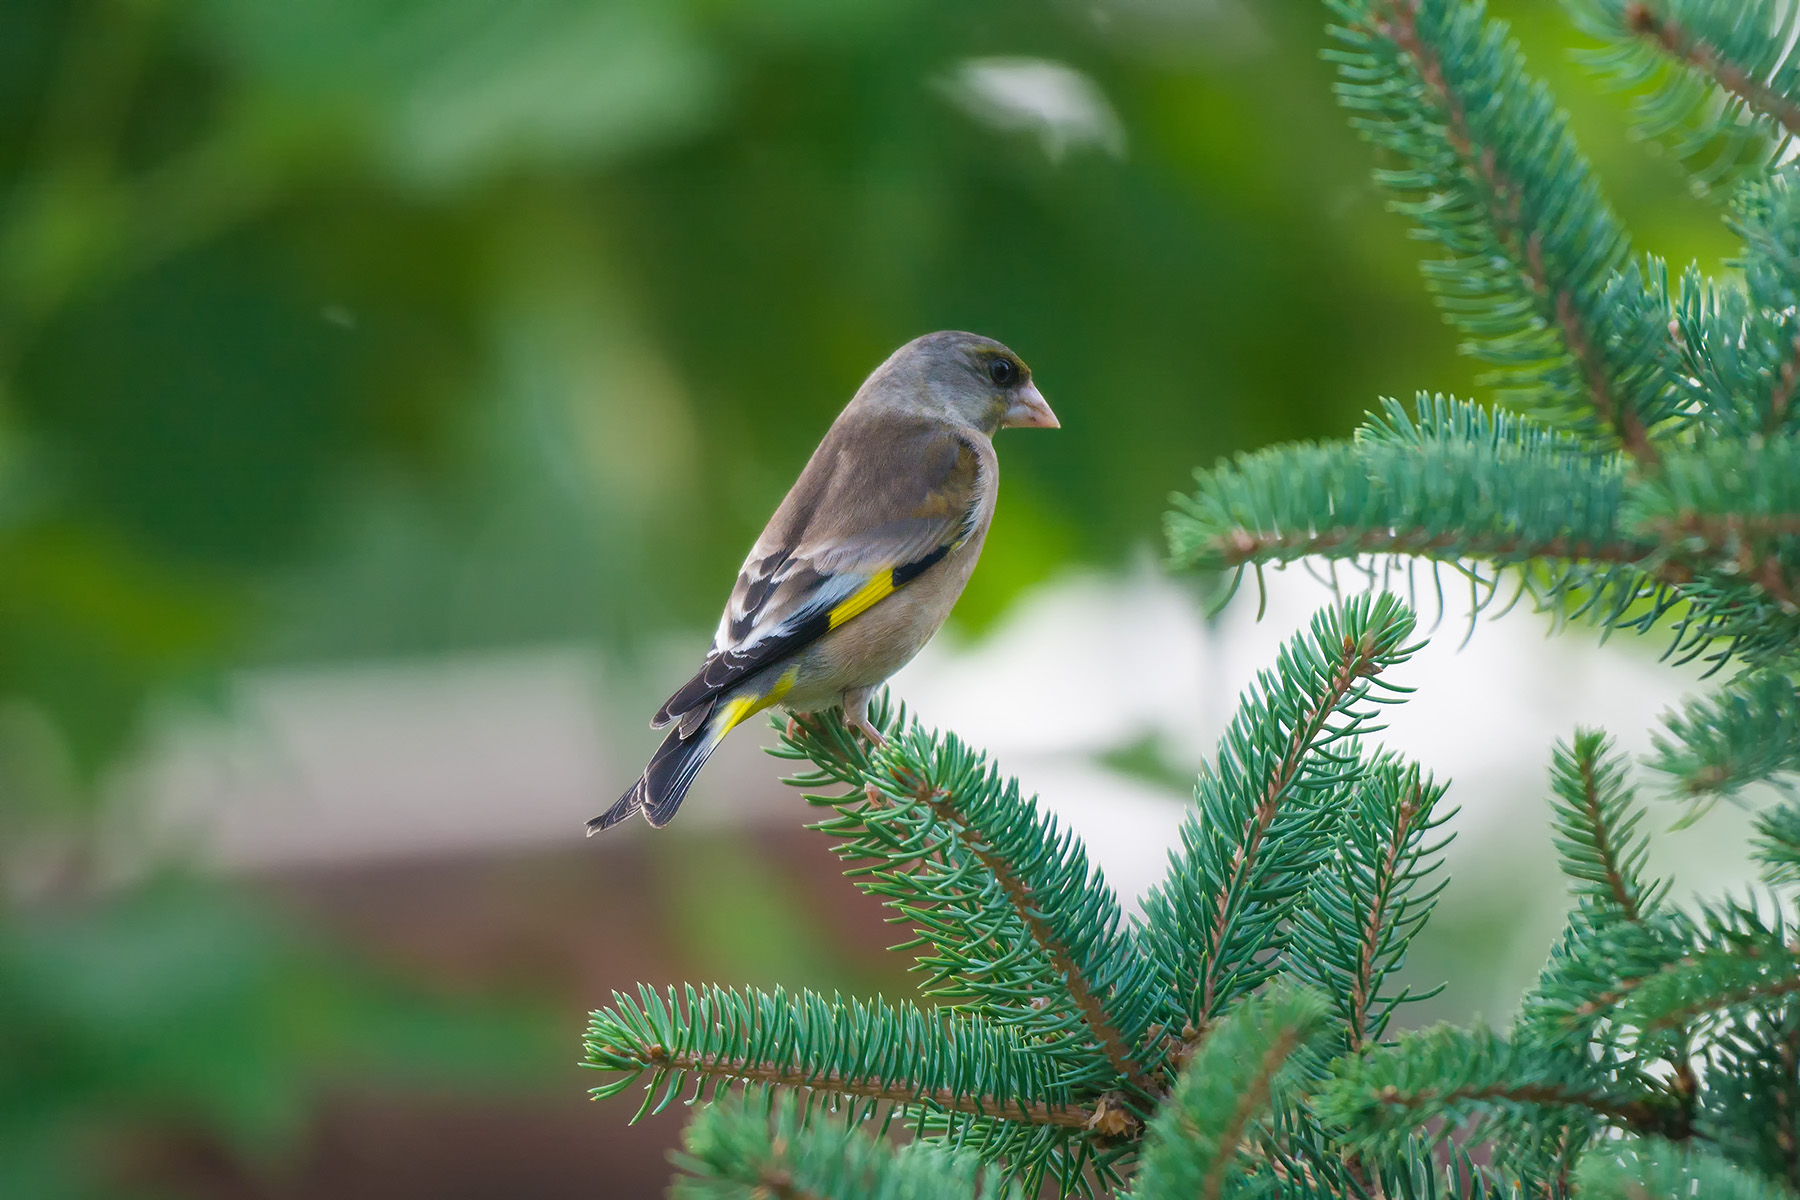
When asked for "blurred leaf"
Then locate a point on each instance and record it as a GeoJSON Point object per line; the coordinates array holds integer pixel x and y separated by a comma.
{"type": "Point", "coordinates": [444, 92]}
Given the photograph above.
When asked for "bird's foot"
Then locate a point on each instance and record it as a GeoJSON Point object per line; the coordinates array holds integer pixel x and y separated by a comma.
{"type": "Point", "coordinates": [870, 734]}
{"type": "Point", "coordinates": [799, 723]}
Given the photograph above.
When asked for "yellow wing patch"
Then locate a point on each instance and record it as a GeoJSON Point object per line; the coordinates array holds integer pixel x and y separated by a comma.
{"type": "Point", "coordinates": [864, 598]}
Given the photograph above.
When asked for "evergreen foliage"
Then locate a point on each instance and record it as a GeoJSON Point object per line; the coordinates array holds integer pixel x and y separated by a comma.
{"type": "Point", "coordinates": [1238, 1036]}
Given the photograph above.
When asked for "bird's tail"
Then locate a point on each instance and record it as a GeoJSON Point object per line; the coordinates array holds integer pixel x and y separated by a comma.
{"type": "Point", "coordinates": [665, 782]}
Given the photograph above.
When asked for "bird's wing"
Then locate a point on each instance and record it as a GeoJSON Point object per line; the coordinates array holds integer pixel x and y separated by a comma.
{"type": "Point", "coordinates": [882, 499]}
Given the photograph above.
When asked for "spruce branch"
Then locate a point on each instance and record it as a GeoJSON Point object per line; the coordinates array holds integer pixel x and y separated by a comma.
{"type": "Point", "coordinates": [1263, 820]}
{"type": "Point", "coordinates": [1729, 511]}
{"type": "Point", "coordinates": [1752, 1102]}
{"type": "Point", "coordinates": [1717, 75]}
{"type": "Point", "coordinates": [883, 1054]}
{"type": "Point", "coordinates": [1777, 844]}
{"type": "Point", "coordinates": [1656, 1169]}
{"type": "Point", "coordinates": [744, 1150]}
{"type": "Point", "coordinates": [1366, 903]}
{"type": "Point", "coordinates": [1747, 732]}
{"type": "Point", "coordinates": [1014, 923]}
{"type": "Point", "coordinates": [1748, 965]}
{"type": "Point", "coordinates": [1444, 1078]}
{"type": "Point", "coordinates": [1457, 483]}
{"type": "Point", "coordinates": [1489, 171]}
{"type": "Point", "coordinates": [1200, 1144]}
{"type": "Point", "coordinates": [1460, 487]}
{"type": "Point", "coordinates": [1738, 343]}
{"type": "Point", "coordinates": [1596, 821]}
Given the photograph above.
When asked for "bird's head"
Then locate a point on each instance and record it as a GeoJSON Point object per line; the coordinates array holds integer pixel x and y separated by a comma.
{"type": "Point", "coordinates": [964, 378]}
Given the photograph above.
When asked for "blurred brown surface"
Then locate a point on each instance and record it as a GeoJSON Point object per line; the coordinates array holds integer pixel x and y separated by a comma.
{"type": "Point", "coordinates": [563, 928]}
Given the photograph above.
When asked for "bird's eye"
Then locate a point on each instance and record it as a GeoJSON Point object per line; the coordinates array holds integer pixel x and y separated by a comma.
{"type": "Point", "coordinates": [1002, 372]}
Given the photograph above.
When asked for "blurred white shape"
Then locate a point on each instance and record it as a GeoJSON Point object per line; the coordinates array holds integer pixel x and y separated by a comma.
{"type": "Point", "coordinates": [433, 757]}
{"type": "Point", "coordinates": [1063, 107]}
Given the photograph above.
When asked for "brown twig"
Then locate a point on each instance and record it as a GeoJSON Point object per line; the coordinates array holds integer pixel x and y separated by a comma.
{"type": "Point", "coordinates": [1641, 18]}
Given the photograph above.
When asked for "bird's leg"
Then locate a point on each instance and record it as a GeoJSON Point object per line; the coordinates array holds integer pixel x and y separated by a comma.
{"type": "Point", "coordinates": [856, 715]}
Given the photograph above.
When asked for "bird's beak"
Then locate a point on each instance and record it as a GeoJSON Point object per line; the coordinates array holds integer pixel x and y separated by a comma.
{"type": "Point", "coordinates": [1029, 410]}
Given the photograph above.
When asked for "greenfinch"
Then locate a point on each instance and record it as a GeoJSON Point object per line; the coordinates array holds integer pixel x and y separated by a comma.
{"type": "Point", "coordinates": [862, 562]}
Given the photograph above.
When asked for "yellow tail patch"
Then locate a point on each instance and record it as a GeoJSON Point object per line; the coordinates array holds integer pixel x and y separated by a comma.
{"type": "Point", "coordinates": [744, 707]}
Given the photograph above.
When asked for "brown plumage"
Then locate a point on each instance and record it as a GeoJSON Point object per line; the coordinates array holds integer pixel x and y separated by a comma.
{"type": "Point", "coordinates": [862, 561]}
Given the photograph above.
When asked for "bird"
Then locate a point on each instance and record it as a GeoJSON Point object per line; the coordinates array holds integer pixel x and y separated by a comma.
{"type": "Point", "coordinates": [862, 561]}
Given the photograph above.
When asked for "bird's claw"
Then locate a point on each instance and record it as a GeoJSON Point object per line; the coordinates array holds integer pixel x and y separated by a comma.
{"type": "Point", "coordinates": [871, 734]}
{"type": "Point", "coordinates": [802, 723]}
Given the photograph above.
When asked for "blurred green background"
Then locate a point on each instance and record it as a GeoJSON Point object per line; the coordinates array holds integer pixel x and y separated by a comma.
{"type": "Point", "coordinates": [375, 331]}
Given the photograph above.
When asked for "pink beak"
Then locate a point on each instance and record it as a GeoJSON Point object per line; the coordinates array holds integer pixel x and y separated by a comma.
{"type": "Point", "coordinates": [1029, 410]}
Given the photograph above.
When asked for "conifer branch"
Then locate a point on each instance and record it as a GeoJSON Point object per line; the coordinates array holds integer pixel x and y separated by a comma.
{"type": "Point", "coordinates": [1526, 248]}
{"type": "Point", "coordinates": [725, 1069]}
{"type": "Point", "coordinates": [1365, 982]}
{"type": "Point", "coordinates": [1445, 1077]}
{"type": "Point", "coordinates": [1261, 823]}
{"type": "Point", "coordinates": [1744, 974]}
{"type": "Point", "coordinates": [863, 1050]}
{"type": "Point", "coordinates": [1655, 1169]}
{"type": "Point", "coordinates": [1683, 43]}
{"type": "Point", "coordinates": [1031, 910]}
{"type": "Point", "coordinates": [1531, 250]}
{"type": "Point", "coordinates": [1777, 845]}
{"type": "Point", "coordinates": [1366, 904]}
{"type": "Point", "coordinates": [1205, 1133]}
{"type": "Point", "coordinates": [1596, 826]}
{"type": "Point", "coordinates": [744, 1150]}
{"type": "Point", "coordinates": [971, 863]}
{"type": "Point", "coordinates": [1781, 393]}
{"type": "Point", "coordinates": [1745, 733]}
{"type": "Point", "coordinates": [1456, 487]}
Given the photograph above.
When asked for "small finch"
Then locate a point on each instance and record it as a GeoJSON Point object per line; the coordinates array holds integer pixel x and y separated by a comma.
{"type": "Point", "coordinates": [862, 562]}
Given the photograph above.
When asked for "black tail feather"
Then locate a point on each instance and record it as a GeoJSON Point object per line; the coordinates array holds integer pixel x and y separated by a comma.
{"type": "Point", "coordinates": [630, 802]}
{"type": "Point", "coordinates": [665, 781]}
